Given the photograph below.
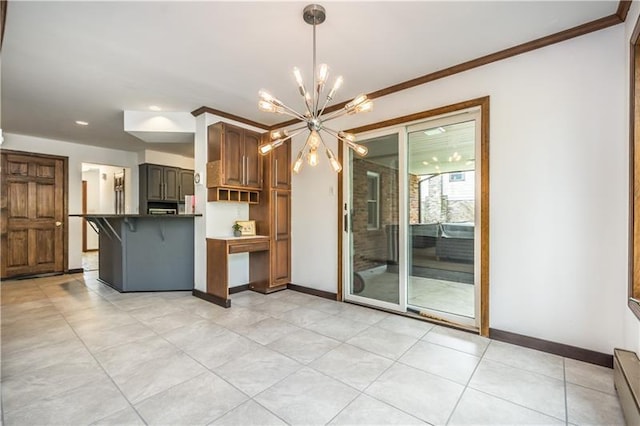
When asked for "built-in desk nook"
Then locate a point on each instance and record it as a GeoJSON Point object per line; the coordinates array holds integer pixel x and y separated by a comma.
{"type": "Point", "coordinates": [218, 252]}
{"type": "Point", "coordinates": [145, 252]}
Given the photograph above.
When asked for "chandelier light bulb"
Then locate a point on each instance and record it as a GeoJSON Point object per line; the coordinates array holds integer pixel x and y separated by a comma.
{"type": "Point", "coordinates": [313, 140]}
{"type": "Point", "coordinates": [355, 102]}
{"type": "Point", "coordinates": [335, 164]}
{"type": "Point", "coordinates": [269, 146]}
{"type": "Point", "coordinates": [335, 87]}
{"type": "Point", "coordinates": [361, 150]}
{"type": "Point", "coordinates": [266, 148]}
{"type": "Point", "coordinates": [266, 106]}
{"type": "Point", "coordinates": [279, 134]}
{"type": "Point", "coordinates": [365, 106]}
{"type": "Point", "coordinates": [323, 73]}
{"type": "Point", "coordinates": [298, 164]}
{"type": "Point", "coordinates": [298, 76]}
{"type": "Point", "coordinates": [265, 96]}
{"type": "Point", "coordinates": [312, 157]}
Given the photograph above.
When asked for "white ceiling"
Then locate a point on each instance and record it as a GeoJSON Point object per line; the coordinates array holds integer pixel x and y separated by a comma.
{"type": "Point", "coordinates": [67, 61]}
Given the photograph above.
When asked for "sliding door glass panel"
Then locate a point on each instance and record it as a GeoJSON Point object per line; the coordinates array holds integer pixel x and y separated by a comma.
{"type": "Point", "coordinates": [441, 209]}
{"type": "Point", "coordinates": [374, 213]}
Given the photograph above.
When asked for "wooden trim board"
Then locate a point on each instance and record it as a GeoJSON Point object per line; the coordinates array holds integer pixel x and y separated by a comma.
{"type": "Point", "coordinates": [561, 349]}
{"type": "Point", "coordinates": [589, 27]}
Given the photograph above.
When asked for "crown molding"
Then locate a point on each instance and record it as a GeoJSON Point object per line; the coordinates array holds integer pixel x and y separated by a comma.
{"type": "Point", "coordinates": [589, 27]}
{"type": "Point", "coordinates": [203, 109]}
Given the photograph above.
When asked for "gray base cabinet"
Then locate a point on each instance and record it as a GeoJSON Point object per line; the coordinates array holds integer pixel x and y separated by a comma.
{"type": "Point", "coordinates": [146, 253]}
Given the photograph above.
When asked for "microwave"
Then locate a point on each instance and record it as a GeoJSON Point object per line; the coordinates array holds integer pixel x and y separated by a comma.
{"type": "Point", "coordinates": [154, 210]}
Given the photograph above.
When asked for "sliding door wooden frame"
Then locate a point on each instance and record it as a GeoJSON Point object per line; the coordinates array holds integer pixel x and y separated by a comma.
{"type": "Point", "coordinates": [483, 104]}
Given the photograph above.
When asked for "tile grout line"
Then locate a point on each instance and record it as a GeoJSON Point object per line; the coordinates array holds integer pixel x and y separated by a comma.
{"type": "Point", "coordinates": [393, 362]}
{"type": "Point", "coordinates": [466, 386]}
{"type": "Point", "coordinates": [159, 335]}
{"type": "Point", "coordinates": [250, 398]}
{"type": "Point", "coordinates": [504, 399]}
{"type": "Point", "coordinates": [102, 368]}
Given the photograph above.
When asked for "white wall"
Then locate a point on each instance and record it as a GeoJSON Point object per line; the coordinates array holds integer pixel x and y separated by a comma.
{"type": "Point", "coordinates": [558, 170]}
{"type": "Point", "coordinates": [92, 177]}
{"type": "Point", "coordinates": [631, 325]}
{"type": "Point", "coordinates": [77, 155]}
{"type": "Point", "coordinates": [165, 159]}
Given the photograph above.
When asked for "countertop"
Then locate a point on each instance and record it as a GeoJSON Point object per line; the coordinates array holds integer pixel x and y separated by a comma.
{"type": "Point", "coordinates": [135, 215]}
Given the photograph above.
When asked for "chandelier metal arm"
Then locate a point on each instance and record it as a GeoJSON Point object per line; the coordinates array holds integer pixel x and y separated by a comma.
{"type": "Point", "coordinates": [314, 111]}
{"type": "Point", "coordinates": [335, 114]}
{"type": "Point", "coordinates": [295, 129]}
{"type": "Point", "coordinates": [292, 112]}
{"type": "Point", "coordinates": [326, 102]}
{"type": "Point", "coordinates": [333, 133]}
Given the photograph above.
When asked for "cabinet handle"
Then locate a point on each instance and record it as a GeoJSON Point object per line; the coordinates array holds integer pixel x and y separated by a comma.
{"type": "Point", "coordinates": [243, 171]}
{"type": "Point", "coordinates": [275, 215]}
{"type": "Point", "coordinates": [179, 192]}
{"type": "Point", "coordinates": [246, 170]}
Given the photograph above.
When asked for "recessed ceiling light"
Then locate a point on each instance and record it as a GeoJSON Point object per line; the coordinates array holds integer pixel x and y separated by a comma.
{"type": "Point", "coordinates": [434, 158]}
{"type": "Point", "coordinates": [155, 108]}
{"type": "Point", "coordinates": [426, 163]}
{"type": "Point", "coordinates": [82, 123]}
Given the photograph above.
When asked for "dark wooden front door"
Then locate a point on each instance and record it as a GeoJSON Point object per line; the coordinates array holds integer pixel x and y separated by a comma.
{"type": "Point", "coordinates": [33, 204]}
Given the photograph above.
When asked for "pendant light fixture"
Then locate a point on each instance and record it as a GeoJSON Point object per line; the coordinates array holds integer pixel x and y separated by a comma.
{"type": "Point", "coordinates": [315, 102]}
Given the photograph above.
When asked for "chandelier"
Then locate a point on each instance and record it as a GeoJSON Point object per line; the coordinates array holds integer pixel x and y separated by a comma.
{"type": "Point", "coordinates": [313, 120]}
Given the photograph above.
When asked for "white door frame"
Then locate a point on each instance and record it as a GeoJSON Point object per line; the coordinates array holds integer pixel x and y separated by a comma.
{"type": "Point", "coordinates": [347, 242]}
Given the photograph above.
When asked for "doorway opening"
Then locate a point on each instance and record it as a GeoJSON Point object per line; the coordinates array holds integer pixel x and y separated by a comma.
{"type": "Point", "coordinates": [105, 190]}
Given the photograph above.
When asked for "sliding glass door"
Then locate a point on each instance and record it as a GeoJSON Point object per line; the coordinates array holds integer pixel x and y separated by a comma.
{"type": "Point", "coordinates": [372, 214]}
{"type": "Point", "coordinates": [411, 209]}
{"type": "Point", "coordinates": [442, 208]}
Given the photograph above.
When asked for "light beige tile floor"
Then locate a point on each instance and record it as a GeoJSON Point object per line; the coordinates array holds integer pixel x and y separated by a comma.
{"type": "Point", "coordinates": [438, 295]}
{"type": "Point", "coordinates": [75, 352]}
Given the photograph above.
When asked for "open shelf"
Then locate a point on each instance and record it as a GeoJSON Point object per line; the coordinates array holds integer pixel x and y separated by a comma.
{"type": "Point", "coordinates": [234, 195]}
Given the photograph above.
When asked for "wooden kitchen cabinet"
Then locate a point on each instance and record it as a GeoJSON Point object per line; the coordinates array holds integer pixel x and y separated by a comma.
{"type": "Point", "coordinates": [273, 218]}
{"type": "Point", "coordinates": [281, 238]}
{"type": "Point", "coordinates": [163, 186]}
{"type": "Point", "coordinates": [160, 183]}
{"type": "Point", "coordinates": [233, 159]}
{"type": "Point", "coordinates": [280, 168]}
{"type": "Point", "coordinates": [185, 184]}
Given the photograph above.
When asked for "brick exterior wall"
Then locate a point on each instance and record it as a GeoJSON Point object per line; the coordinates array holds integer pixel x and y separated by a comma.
{"type": "Point", "coordinates": [437, 208]}
{"type": "Point", "coordinates": [414, 199]}
{"type": "Point", "coordinates": [370, 246]}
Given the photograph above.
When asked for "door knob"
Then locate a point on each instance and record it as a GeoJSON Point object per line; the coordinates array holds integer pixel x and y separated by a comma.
{"type": "Point", "coordinates": [58, 223]}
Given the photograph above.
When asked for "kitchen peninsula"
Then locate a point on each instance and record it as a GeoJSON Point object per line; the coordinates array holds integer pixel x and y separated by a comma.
{"type": "Point", "coordinates": [145, 252]}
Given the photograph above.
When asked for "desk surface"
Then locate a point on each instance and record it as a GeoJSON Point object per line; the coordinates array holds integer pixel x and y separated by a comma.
{"type": "Point", "coordinates": [245, 237]}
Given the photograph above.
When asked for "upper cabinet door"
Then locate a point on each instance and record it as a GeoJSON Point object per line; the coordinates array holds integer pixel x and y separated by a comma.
{"type": "Point", "coordinates": [186, 186]}
{"type": "Point", "coordinates": [280, 164]}
{"type": "Point", "coordinates": [170, 184]}
{"type": "Point", "coordinates": [252, 160]}
{"type": "Point", "coordinates": [232, 153]}
{"type": "Point", "coordinates": [155, 182]}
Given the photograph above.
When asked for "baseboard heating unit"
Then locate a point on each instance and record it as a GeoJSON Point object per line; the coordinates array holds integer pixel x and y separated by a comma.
{"type": "Point", "coordinates": [626, 378]}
